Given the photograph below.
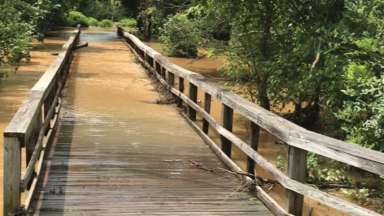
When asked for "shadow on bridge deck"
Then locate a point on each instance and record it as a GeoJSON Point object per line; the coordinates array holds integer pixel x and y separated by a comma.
{"type": "Point", "coordinates": [118, 152]}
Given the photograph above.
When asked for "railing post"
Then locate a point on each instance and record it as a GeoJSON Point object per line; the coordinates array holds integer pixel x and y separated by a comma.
{"type": "Point", "coordinates": [12, 174]}
{"type": "Point", "coordinates": [171, 79]}
{"type": "Point", "coordinates": [227, 120]}
{"type": "Point", "coordinates": [181, 90]}
{"type": "Point", "coordinates": [254, 133]}
{"type": "Point", "coordinates": [163, 73]}
{"type": "Point", "coordinates": [193, 97]}
{"type": "Point", "coordinates": [207, 108]}
{"type": "Point", "coordinates": [297, 166]}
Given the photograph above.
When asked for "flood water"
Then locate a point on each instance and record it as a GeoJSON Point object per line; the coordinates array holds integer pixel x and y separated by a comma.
{"type": "Point", "coordinates": [120, 152]}
{"type": "Point", "coordinates": [15, 87]}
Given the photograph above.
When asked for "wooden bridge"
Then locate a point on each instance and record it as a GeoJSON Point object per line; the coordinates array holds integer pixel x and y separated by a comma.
{"type": "Point", "coordinates": [65, 154]}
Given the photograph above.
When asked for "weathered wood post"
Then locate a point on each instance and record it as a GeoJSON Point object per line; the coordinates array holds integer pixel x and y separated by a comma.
{"type": "Point", "coordinates": [193, 97]}
{"type": "Point", "coordinates": [171, 79]}
{"type": "Point", "coordinates": [12, 173]}
{"type": "Point", "coordinates": [207, 108]}
{"type": "Point", "coordinates": [297, 169]}
{"type": "Point", "coordinates": [181, 90]}
{"type": "Point", "coordinates": [165, 75]}
{"type": "Point", "coordinates": [227, 120]}
{"type": "Point", "coordinates": [254, 133]}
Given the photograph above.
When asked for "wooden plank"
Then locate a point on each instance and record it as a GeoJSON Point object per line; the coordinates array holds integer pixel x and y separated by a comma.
{"type": "Point", "coordinates": [254, 134]}
{"type": "Point", "coordinates": [286, 131]}
{"type": "Point", "coordinates": [22, 127]}
{"type": "Point", "coordinates": [144, 172]}
{"type": "Point", "coordinates": [207, 108]}
{"type": "Point", "coordinates": [227, 121]}
{"type": "Point", "coordinates": [21, 121]}
{"type": "Point", "coordinates": [306, 190]}
{"type": "Point", "coordinates": [193, 97]}
{"type": "Point", "coordinates": [181, 89]}
{"type": "Point", "coordinates": [171, 79]}
{"type": "Point", "coordinates": [12, 172]}
{"type": "Point", "coordinates": [30, 170]}
{"type": "Point", "coordinates": [267, 200]}
{"type": "Point", "coordinates": [297, 166]}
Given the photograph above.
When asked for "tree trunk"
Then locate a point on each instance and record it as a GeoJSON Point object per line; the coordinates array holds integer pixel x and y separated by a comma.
{"type": "Point", "coordinates": [267, 24]}
{"type": "Point", "coordinates": [263, 94]}
{"type": "Point", "coordinates": [264, 46]}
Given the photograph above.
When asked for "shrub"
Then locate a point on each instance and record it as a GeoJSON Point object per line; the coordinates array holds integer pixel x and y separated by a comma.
{"type": "Point", "coordinates": [93, 22]}
{"type": "Point", "coordinates": [128, 22]}
{"type": "Point", "coordinates": [106, 23]}
{"type": "Point", "coordinates": [75, 17]}
{"type": "Point", "coordinates": [180, 36]}
{"type": "Point", "coordinates": [15, 36]}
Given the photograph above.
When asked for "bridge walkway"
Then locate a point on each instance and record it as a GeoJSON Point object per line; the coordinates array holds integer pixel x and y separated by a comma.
{"type": "Point", "coordinates": [120, 152]}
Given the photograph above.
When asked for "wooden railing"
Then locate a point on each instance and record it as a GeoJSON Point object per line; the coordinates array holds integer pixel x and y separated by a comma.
{"type": "Point", "coordinates": [299, 140]}
{"type": "Point", "coordinates": [31, 130]}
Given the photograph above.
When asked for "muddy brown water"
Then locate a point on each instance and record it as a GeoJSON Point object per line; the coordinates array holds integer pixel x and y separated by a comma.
{"type": "Point", "coordinates": [113, 141]}
{"type": "Point", "coordinates": [15, 87]}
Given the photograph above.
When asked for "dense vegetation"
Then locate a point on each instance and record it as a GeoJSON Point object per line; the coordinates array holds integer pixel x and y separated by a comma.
{"type": "Point", "coordinates": [322, 58]}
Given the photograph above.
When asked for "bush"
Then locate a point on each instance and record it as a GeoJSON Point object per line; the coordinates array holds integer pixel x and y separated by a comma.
{"type": "Point", "coordinates": [180, 36]}
{"type": "Point", "coordinates": [106, 23]}
{"type": "Point", "coordinates": [93, 22]}
{"type": "Point", "coordinates": [15, 36]}
{"type": "Point", "coordinates": [75, 17]}
{"type": "Point", "coordinates": [128, 22]}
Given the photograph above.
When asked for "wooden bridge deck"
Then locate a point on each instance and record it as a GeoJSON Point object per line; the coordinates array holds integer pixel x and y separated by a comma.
{"type": "Point", "coordinates": [118, 152]}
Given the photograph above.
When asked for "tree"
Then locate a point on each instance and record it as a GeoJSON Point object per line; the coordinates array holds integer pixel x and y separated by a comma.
{"type": "Point", "coordinates": [362, 109]}
{"type": "Point", "coordinates": [279, 49]}
{"type": "Point", "coordinates": [153, 14]}
{"type": "Point", "coordinates": [15, 35]}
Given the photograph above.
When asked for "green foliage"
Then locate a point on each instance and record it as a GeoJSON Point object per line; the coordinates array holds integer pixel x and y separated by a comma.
{"type": "Point", "coordinates": [101, 9]}
{"type": "Point", "coordinates": [154, 14]}
{"type": "Point", "coordinates": [360, 195]}
{"type": "Point", "coordinates": [15, 35]}
{"type": "Point", "coordinates": [362, 113]}
{"type": "Point", "coordinates": [76, 17]}
{"type": "Point", "coordinates": [322, 56]}
{"type": "Point", "coordinates": [105, 23]}
{"type": "Point", "coordinates": [93, 21]}
{"type": "Point", "coordinates": [362, 109]}
{"type": "Point", "coordinates": [180, 36]}
{"type": "Point", "coordinates": [280, 162]}
{"type": "Point", "coordinates": [128, 23]}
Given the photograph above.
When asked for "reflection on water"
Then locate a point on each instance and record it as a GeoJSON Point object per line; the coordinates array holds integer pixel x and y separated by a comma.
{"type": "Point", "coordinates": [15, 88]}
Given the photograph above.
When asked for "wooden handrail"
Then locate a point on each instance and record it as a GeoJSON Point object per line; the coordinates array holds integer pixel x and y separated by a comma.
{"type": "Point", "coordinates": [31, 128]}
{"type": "Point", "coordinates": [299, 140]}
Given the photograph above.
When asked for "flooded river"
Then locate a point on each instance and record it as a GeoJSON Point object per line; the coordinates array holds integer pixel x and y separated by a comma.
{"type": "Point", "coordinates": [15, 87]}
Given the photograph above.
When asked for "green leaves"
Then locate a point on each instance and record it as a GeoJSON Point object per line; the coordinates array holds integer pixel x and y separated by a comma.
{"type": "Point", "coordinates": [180, 36]}
{"type": "Point", "coordinates": [15, 35]}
